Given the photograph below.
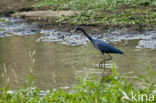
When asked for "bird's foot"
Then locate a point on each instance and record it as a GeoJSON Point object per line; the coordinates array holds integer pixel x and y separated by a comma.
{"type": "Point", "coordinates": [102, 65]}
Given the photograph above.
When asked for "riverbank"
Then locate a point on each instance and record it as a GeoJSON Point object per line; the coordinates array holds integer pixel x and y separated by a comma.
{"type": "Point", "coordinates": [8, 7]}
{"type": "Point", "coordinates": [129, 17]}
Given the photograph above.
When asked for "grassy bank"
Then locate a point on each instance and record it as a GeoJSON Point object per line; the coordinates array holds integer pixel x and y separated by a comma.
{"type": "Point", "coordinates": [112, 89]}
{"type": "Point", "coordinates": [108, 12]}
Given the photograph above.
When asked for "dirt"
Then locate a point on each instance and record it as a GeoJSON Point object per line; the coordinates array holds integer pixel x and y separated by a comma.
{"type": "Point", "coordinates": [43, 14]}
{"type": "Point", "coordinates": [98, 28]}
{"type": "Point", "coordinates": [7, 7]}
{"type": "Point", "coordinates": [22, 8]}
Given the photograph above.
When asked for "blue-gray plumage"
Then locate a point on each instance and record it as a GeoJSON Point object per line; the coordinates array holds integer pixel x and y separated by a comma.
{"type": "Point", "coordinates": [102, 46]}
{"type": "Point", "coordinates": [105, 48]}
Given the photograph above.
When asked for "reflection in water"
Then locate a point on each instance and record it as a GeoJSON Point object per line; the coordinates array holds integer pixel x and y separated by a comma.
{"type": "Point", "coordinates": [61, 65]}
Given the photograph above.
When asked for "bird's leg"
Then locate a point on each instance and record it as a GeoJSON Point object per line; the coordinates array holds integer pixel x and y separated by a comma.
{"type": "Point", "coordinates": [103, 61]}
{"type": "Point", "coordinates": [110, 57]}
{"type": "Point", "coordinates": [100, 63]}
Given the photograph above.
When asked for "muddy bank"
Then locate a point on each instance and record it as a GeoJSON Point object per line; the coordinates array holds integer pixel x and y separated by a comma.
{"type": "Point", "coordinates": [8, 7]}
{"type": "Point", "coordinates": [46, 19]}
{"type": "Point", "coordinates": [90, 28]}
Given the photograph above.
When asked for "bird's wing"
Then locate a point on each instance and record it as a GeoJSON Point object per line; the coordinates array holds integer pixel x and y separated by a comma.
{"type": "Point", "coordinates": [106, 48]}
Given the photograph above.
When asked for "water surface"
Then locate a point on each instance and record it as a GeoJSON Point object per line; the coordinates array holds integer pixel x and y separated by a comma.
{"type": "Point", "coordinates": [54, 64]}
{"type": "Point", "coordinates": [56, 59]}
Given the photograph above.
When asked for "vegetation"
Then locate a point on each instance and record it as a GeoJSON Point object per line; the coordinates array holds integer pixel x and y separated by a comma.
{"type": "Point", "coordinates": [108, 12]}
{"type": "Point", "coordinates": [3, 20]}
{"type": "Point", "coordinates": [112, 89]}
{"type": "Point", "coordinates": [92, 4]}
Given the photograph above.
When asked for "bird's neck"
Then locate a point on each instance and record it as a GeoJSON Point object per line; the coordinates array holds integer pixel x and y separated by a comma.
{"type": "Point", "coordinates": [88, 36]}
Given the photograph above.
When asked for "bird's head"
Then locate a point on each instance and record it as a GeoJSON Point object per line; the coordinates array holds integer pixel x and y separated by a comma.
{"type": "Point", "coordinates": [76, 29]}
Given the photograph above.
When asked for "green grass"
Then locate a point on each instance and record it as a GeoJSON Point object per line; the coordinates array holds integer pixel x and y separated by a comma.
{"type": "Point", "coordinates": [3, 20]}
{"type": "Point", "coordinates": [92, 4]}
{"type": "Point", "coordinates": [108, 12]}
{"type": "Point", "coordinates": [111, 89]}
{"type": "Point", "coordinates": [2, 29]}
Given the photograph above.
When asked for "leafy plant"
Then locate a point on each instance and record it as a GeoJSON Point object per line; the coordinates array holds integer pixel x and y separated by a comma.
{"type": "Point", "coordinates": [91, 4]}
{"type": "Point", "coordinates": [111, 89]}
{"type": "Point", "coordinates": [138, 13]}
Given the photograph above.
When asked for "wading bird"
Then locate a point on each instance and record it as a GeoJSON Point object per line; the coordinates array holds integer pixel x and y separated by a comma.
{"type": "Point", "coordinates": [102, 46]}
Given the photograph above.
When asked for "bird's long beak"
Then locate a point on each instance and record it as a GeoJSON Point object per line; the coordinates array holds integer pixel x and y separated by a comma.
{"type": "Point", "coordinates": [72, 33]}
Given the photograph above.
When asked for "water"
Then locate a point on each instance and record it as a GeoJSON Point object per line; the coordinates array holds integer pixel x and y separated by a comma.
{"type": "Point", "coordinates": [57, 60]}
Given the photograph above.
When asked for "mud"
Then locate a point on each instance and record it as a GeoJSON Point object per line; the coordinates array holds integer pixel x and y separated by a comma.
{"type": "Point", "coordinates": [8, 7]}
{"type": "Point", "coordinates": [43, 14]}
{"type": "Point", "coordinates": [23, 9]}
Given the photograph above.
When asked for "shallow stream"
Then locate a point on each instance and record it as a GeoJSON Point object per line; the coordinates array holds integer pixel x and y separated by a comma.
{"type": "Point", "coordinates": [56, 59]}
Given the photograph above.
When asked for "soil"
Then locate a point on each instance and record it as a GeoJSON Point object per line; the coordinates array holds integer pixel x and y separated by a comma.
{"type": "Point", "coordinates": [44, 14]}
{"type": "Point", "coordinates": [7, 7]}
{"type": "Point", "coordinates": [98, 28]}
{"type": "Point", "coordinates": [20, 8]}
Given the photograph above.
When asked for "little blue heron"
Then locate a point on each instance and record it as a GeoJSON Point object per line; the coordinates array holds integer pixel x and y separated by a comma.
{"type": "Point", "coordinates": [102, 46]}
